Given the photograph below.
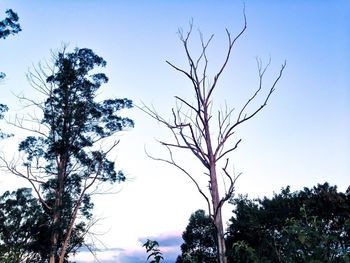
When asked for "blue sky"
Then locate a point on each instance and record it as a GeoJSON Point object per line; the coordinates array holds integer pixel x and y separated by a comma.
{"type": "Point", "coordinates": [302, 138]}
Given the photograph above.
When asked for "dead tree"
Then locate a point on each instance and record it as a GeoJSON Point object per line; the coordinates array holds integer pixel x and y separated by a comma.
{"type": "Point", "coordinates": [193, 128]}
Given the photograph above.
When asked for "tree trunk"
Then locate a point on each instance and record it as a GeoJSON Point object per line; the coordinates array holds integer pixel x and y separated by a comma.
{"type": "Point", "coordinates": [54, 233]}
{"type": "Point", "coordinates": [70, 228]}
{"type": "Point", "coordinates": [220, 238]}
{"type": "Point", "coordinates": [214, 190]}
{"type": "Point", "coordinates": [56, 210]}
{"type": "Point", "coordinates": [218, 216]}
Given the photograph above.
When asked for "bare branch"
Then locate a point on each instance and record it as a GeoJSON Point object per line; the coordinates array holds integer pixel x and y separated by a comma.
{"type": "Point", "coordinates": [224, 122]}
{"type": "Point", "coordinates": [231, 188]}
{"type": "Point", "coordinates": [10, 167]}
{"type": "Point", "coordinates": [173, 163]}
{"type": "Point", "coordinates": [19, 123]}
{"type": "Point", "coordinates": [181, 70]}
{"type": "Point", "coordinates": [272, 89]}
{"type": "Point", "coordinates": [187, 104]}
{"type": "Point", "coordinates": [228, 54]}
{"type": "Point", "coordinates": [204, 55]}
{"type": "Point", "coordinates": [261, 75]}
{"type": "Point", "coordinates": [227, 151]}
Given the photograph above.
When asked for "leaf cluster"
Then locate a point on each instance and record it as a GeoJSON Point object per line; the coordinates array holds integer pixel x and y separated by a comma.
{"type": "Point", "coordinates": [3, 109]}
{"type": "Point", "coordinates": [200, 242]}
{"type": "Point", "coordinates": [155, 255]}
{"type": "Point", "coordinates": [312, 225]}
{"type": "Point", "coordinates": [9, 25]}
{"type": "Point", "coordinates": [21, 225]}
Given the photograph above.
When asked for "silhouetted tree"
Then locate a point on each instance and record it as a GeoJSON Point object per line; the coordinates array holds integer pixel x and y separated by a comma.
{"type": "Point", "coordinates": [20, 217]}
{"type": "Point", "coordinates": [24, 228]}
{"type": "Point", "coordinates": [193, 129]}
{"type": "Point", "coordinates": [9, 26]}
{"type": "Point", "coordinates": [199, 240]}
{"type": "Point", "coordinates": [312, 225]}
{"type": "Point", "coordinates": [67, 159]}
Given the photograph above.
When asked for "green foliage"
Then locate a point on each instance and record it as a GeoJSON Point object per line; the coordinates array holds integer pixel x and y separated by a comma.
{"type": "Point", "coordinates": [155, 255]}
{"type": "Point", "coordinates": [21, 219]}
{"type": "Point", "coordinates": [200, 240]}
{"type": "Point", "coordinates": [312, 225]}
{"type": "Point", "coordinates": [309, 239]}
{"type": "Point", "coordinates": [9, 25]}
{"type": "Point", "coordinates": [3, 109]}
{"type": "Point", "coordinates": [68, 156]}
{"type": "Point", "coordinates": [25, 228]}
{"type": "Point", "coordinates": [75, 120]}
{"type": "Point", "coordinates": [243, 253]}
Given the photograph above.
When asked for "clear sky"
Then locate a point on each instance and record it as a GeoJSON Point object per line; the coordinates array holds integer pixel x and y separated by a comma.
{"type": "Point", "coordinates": [302, 138]}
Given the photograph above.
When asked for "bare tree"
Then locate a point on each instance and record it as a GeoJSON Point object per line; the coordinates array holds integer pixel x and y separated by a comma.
{"type": "Point", "coordinates": [193, 129]}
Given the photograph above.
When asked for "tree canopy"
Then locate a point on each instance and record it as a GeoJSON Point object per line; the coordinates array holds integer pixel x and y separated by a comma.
{"type": "Point", "coordinates": [21, 221]}
{"type": "Point", "coordinates": [199, 240]}
{"type": "Point", "coordinates": [311, 225]}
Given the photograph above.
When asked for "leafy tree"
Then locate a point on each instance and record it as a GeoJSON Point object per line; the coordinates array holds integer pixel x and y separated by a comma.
{"type": "Point", "coordinates": [9, 26]}
{"type": "Point", "coordinates": [309, 239]}
{"type": "Point", "coordinates": [312, 225]}
{"type": "Point", "coordinates": [21, 219]}
{"type": "Point", "coordinates": [243, 253]}
{"type": "Point", "coordinates": [200, 240]}
{"type": "Point", "coordinates": [195, 131]}
{"type": "Point", "coordinates": [65, 161]}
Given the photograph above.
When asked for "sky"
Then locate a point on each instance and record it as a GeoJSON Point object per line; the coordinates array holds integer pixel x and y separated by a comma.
{"type": "Point", "coordinates": [300, 139]}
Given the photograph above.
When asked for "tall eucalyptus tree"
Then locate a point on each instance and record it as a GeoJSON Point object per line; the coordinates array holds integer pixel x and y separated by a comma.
{"type": "Point", "coordinates": [66, 158]}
